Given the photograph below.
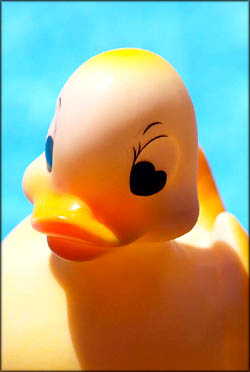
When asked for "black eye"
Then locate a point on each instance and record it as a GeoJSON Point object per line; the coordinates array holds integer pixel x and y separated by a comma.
{"type": "Point", "coordinates": [49, 152]}
{"type": "Point", "coordinates": [145, 180]}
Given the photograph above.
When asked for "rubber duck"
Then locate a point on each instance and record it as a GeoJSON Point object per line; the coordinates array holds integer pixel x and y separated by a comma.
{"type": "Point", "coordinates": [127, 261]}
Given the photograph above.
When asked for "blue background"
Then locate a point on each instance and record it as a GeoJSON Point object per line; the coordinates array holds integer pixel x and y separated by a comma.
{"type": "Point", "coordinates": [206, 42]}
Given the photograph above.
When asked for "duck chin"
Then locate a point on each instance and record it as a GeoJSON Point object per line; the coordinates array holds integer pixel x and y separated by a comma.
{"type": "Point", "coordinates": [75, 250]}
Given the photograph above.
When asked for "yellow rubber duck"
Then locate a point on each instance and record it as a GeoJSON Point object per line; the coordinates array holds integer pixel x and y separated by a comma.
{"type": "Point", "coordinates": [125, 275]}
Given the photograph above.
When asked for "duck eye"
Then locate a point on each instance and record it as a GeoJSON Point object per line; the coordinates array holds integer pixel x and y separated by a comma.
{"type": "Point", "coordinates": [49, 152]}
{"type": "Point", "coordinates": [145, 180]}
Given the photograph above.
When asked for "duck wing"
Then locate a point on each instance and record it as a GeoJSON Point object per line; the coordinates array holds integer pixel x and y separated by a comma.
{"type": "Point", "coordinates": [214, 223]}
{"type": "Point", "coordinates": [228, 229]}
{"type": "Point", "coordinates": [209, 198]}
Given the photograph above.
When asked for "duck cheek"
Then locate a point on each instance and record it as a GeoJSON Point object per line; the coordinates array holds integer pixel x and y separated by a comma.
{"type": "Point", "coordinates": [122, 215]}
{"type": "Point", "coordinates": [133, 226]}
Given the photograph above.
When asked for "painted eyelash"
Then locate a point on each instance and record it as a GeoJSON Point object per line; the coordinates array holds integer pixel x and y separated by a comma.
{"type": "Point", "coordinates": [136, 154]}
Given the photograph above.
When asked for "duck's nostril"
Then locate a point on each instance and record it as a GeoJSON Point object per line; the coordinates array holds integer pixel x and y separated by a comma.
{"type": "Point", "coordinates": [49, 152]}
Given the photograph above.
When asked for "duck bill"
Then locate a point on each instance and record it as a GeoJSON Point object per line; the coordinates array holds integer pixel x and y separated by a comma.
{"type": "Point", "coordinates": [73, 233]}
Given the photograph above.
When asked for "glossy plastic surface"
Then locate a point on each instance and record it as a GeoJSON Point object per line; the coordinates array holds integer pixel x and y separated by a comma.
{"type": "Point", "coordinates": [125, 145]}
{"type": "Point", "coordinates": [162, 290]}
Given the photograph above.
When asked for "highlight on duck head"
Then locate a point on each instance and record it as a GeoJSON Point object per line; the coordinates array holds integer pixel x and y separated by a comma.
{"type": "Point", "coordinates": [120, 161]}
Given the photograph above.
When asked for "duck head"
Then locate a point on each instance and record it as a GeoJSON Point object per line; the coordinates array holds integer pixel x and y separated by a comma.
{"type": "Point", "coordinates": [120, 161]}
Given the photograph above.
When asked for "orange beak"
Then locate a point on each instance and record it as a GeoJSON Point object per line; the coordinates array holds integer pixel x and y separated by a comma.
{"type": "Point", "coordinates": [73, 232]}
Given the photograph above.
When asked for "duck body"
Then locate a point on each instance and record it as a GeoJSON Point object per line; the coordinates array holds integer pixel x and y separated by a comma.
{"type": "Point", "coordinates": [142, 267]}
{"type": "Point", "coordinates": [173, 307]}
